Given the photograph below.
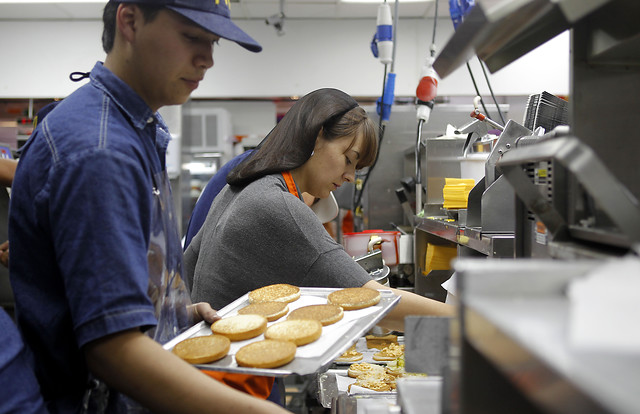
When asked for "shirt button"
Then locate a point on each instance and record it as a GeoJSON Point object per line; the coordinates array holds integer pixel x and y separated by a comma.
{"type": "Point", "coordinates": [150, 120]}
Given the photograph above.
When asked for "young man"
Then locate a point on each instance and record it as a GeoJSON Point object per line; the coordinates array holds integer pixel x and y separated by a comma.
{"type": "Point", "coordinates": [95, 255]}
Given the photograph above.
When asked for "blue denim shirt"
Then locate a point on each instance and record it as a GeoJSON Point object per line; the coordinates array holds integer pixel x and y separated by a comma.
{"type": "Point", "coordinates": [79, 229]}
{"type": "Point", "coordinates": [19, 390]}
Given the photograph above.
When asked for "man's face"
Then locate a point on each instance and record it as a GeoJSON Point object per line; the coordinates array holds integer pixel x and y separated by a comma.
{"type": "Point", "coordinates": [171, 56]}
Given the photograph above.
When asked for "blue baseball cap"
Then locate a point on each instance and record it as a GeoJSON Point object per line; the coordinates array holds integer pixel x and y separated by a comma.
{"type": "Point", "coordinates": [212, 15]}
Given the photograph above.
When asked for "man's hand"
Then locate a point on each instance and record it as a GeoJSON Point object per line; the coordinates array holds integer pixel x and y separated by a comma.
{"type": "Point", "coordinates": [203, 311]}
{"type": "Point", "coordinates": [4, 253]}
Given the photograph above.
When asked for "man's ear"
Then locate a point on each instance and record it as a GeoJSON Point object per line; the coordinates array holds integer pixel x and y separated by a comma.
{"type": "Point", "coordinates": [127, 18]}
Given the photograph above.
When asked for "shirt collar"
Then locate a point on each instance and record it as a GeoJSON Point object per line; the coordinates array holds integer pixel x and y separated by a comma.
{"type": "Point", "coordinates": [126, 98]}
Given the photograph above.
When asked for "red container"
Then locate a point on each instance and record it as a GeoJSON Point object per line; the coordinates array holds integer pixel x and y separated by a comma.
{"type": "Point", "coordinates": [356, 244]}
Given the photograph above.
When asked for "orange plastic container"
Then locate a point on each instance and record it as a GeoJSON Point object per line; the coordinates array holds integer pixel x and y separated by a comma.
{"type": "Point", "coordinates": [356, 244]}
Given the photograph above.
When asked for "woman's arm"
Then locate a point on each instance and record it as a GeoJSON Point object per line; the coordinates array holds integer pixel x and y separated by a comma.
{"type": "Point", "coordinates": [410, 304]}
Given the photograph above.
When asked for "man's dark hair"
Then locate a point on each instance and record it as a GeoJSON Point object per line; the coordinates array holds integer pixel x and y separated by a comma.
{"type": "Point", "coordinates": [109, 20]}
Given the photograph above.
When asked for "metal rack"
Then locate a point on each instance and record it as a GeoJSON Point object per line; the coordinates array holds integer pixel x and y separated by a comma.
{"type": "Point", "coordinates": [514, 313]}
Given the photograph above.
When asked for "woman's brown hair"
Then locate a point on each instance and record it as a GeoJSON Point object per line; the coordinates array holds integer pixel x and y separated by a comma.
{"type": "Point", "coordinates": [291, 142]}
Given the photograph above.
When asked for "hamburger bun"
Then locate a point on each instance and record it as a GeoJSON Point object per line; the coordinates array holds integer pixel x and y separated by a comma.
{"type": "Point", "coordinates": [266, 354]}
{"type": "Point", "coordinates": [325, 314]}
{"type": "Point", "coordinates": [389, 353]}
{"type": "Point", "coordinates": [354, 298]}
{"type": "Point", "coordinates": [280, 292]}
{"type": "Point", "coordinates": [203, 349]}
{"type": "Point", "coordinates": [240, 327]}
{"type": "Point", "coordinates": [350, 355]}
{"type": "Point", "coordinates": [298, 331]}
{"type": "Point", "coordinates": [380, 342]}
{"type": "Point", "coordinates": [376, 381]}
{"type": "Point", "coordinates": [357, 369]}
{"type": "Point", "coordinates": [270, 310]}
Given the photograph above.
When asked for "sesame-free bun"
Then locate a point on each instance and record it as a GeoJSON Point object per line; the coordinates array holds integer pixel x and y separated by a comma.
{"type": "Point", "coordinates": [270, 310]}
{"type": "Point", "coordinates": [298, 331]}
{"type": "Point", "coordinates": [325, 314]}
{"type": "Point", "coordinates": [240, 327]}
{"type": "Point", "coordinates": [280, 292]}
{"type": "Point", "coordinates": [268, 353]}
{"type": "Point", "coordinates": [203, 349]}
{"type": "Point", "coordinates": [354, 298]}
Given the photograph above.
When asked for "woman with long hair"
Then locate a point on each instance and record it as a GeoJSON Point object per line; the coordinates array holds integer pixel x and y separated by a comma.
{"type": "Point", "coordinates": [259, 231]}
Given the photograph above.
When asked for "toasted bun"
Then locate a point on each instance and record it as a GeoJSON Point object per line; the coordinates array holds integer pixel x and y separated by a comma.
{"type": "Point", "coordinates": [280, 292]}
{"type": "Point", "coordinates": [389, 353]}
{"type": "Point", "coordinates": [240, 327]}
{"type": "Point", "coordinates": [350, 355]}
{"type": "Point", "coordinates": [357, 369]}
{"type": "Point", "coordinates": [203, 349]}
{"type": "Point", "coordinates": [298, 331]}
{"type": "Point", "coordinates": [325, 314]}
{"type": "Point", "coordinates": [354, 298]}
{"type": "Point", "coordinates": [376, 381]}
{"type": "Point", "coordinates": [266, 354]}
{"type": "Point", "coordinates": [380, 341]}
{"type": "Point", "coordinates": [270, 310]}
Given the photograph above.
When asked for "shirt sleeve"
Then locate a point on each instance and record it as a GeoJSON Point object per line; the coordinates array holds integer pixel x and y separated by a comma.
{"type": "Point", "coordinates": [99, 215]}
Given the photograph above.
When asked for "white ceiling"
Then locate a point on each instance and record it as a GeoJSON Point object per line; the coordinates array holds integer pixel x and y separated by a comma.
{"type": "Point", "coordinates": [240, 9]}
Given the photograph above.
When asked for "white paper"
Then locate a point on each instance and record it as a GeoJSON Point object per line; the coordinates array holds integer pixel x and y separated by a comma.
{"type": "Point", "coordinates": [605, 307]}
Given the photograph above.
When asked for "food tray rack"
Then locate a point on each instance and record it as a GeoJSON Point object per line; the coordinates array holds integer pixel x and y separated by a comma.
{"type": "Point", "coordinates": [311, 358]}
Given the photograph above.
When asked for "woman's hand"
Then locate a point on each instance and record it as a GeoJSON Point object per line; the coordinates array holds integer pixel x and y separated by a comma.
{"type": "Point", "coordinates": [203, 311]}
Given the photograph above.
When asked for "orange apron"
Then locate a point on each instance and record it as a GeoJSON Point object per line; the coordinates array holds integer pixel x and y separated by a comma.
{"type": "Point", "coordinates": [257, 386]}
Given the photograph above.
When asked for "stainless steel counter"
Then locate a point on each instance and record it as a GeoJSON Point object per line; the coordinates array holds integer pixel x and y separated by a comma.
{"type": "Point", "coordinates": [516, 316]}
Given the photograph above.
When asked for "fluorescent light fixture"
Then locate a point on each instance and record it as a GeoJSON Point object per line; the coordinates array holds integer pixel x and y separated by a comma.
{"type": "Point", "coordinates": [388, 1]}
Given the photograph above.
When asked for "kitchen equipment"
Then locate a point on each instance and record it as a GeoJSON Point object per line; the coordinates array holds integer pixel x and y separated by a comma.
{"type": "Point", "coordinates": [357, 244]}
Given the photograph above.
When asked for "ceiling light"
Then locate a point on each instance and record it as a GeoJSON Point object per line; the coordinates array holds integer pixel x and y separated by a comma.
{"type": "Point", "coordinates": [389, 1]}
{"type": "Point", "coordinates": [50, 1]}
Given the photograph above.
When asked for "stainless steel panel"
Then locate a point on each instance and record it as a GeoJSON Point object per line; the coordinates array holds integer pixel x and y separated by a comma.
{"type": "Point", "coordinates": [516, 316]}
{"type": "Point", "coordinates": [501, 31]}
{"type": "Point", "coordinates": [397, 161]}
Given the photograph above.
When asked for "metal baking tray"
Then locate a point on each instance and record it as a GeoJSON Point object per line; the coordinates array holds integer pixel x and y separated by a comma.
{"type": "Point", "coordinates": [311, 358]}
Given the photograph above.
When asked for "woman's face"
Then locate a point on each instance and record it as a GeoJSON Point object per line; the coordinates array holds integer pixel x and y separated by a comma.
{"type": "Point", "coordinates": [332, 163]}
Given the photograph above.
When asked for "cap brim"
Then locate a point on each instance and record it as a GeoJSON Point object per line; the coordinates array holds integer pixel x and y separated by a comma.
{"type": "Point", "coordinates": [326, 208]}
{"type": "Point", "coordinates": [219, 25]}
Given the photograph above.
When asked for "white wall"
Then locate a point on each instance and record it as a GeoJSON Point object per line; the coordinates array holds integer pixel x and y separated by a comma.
{"type": "Point", "coordinates": [37, 57]}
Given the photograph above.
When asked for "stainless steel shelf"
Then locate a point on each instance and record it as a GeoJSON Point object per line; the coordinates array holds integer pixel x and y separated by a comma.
{"type": "Point", "coordinates": [517, 316]}
{"type": "Point", "coordinates": [501, 31]}
{"type": "Point", "coordinates": [494, 245]}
